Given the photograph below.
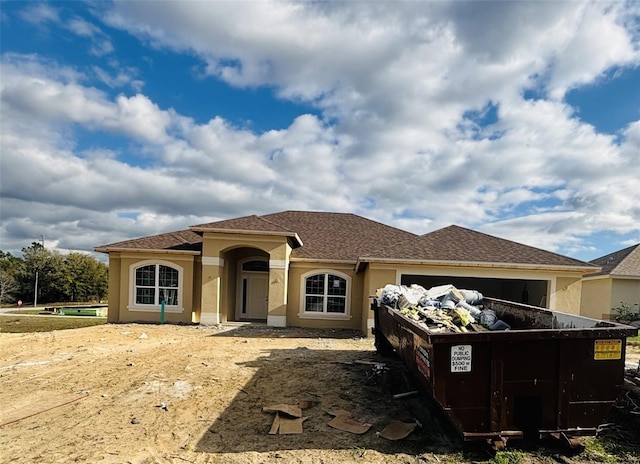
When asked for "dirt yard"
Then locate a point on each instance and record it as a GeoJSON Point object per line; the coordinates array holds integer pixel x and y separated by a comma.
{"type": "Point", "coordinates": [95, 395]}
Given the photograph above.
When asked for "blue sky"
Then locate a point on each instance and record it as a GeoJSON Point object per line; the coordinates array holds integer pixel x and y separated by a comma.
{"type": "Point", "coordinates": [125, 119]}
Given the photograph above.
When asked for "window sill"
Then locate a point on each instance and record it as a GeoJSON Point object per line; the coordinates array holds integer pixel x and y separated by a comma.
{"type": "Point", "coordinates": [325, 316]}
{"type": "Point", "coordinates": [154, 309]}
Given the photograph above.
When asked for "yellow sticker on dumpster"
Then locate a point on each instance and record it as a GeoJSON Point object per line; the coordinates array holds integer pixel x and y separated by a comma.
{"type": "Point", "coordinates": [607, 349]}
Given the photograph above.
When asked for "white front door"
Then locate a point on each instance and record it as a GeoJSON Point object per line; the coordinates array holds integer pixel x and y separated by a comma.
{"type": "Point", "coordinates": [255, 296]}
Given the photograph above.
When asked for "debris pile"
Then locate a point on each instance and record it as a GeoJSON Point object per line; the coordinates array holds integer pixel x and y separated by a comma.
{"type": "Point", "coordinates": [443, 308]}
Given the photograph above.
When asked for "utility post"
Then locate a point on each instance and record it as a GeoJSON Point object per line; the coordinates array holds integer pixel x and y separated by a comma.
{"type": "Point", "coordinates": [35, 287]}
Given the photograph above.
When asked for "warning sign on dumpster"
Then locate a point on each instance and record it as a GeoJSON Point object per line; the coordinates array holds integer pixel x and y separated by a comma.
{"type": "Point", "coordinates": [607, 349]}
{"type": "Point", "coordinates": [461, 358]}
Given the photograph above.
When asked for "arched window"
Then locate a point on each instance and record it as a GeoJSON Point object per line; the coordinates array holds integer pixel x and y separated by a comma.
{"type": "Point", "coordinates": [256, 265]}
{"type": "Point", "coordinates": [325, 294]}
{"type": "Point", "coordinates": [155, 283]}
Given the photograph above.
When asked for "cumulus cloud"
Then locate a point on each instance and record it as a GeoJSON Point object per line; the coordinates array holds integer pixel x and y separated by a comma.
{"type": "Point", "coordinates": [400, 91]}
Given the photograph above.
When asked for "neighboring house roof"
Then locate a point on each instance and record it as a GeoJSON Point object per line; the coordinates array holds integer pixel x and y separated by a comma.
{"type": "Point", "coordinates": [351, 238]}
{"type": "Point", "coordinates": [459, 244]}
{"type": "Point", "coordinates": [624, 262]}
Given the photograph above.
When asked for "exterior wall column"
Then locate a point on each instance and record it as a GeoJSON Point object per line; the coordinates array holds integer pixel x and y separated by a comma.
{"type": "Point", "coordinates": [115, 276]}
{"type": "Point", "coordinates": [211, 286]}
{"type": "Point", "coordinates": [278, 287]}
{"type": "Point", "coordinates": [375, 277]}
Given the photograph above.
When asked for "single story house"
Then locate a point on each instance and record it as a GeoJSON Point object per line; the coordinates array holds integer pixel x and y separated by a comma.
{"type": "Point", "coordinates": [616, 284]}
{"type": "Point", "coordinates": [319, 269]}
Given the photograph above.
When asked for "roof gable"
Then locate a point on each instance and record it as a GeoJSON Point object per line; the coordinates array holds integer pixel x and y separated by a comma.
{"type": "Point", "coordinates": [625, 262]}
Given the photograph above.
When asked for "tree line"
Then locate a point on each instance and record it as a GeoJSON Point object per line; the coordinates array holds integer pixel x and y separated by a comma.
{"type": "Point", "coordinates": [55, 277]}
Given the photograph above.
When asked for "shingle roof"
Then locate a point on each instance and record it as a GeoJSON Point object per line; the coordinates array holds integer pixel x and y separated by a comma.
{"type": "Point", "coordinates": [625, 262]}
{"type": "Point", "coordinates": [349, 237]}
{"type": "Point", "coordinates": [336, 236]}
{"type": "Point", "coordinates": [181, 240]}
{"type": "Point", "coordinates": [253, 223]}
{"type": "Point", "coordinates": [456, 243]}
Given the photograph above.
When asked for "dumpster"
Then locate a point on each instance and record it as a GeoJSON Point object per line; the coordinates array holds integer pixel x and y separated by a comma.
{"type": "Point", "coordinates": [551, 375]}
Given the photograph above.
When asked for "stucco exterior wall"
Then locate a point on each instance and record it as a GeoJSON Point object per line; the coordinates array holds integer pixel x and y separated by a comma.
{"type": "Point", "coordinates": [113, 314]}
{"type": "Point", "coordinates": [561, 292]}
{"type": "Point", "coordinates": [196, 289]}
{"type": "Point", "coordinates": [125, 288]}
{"type": "Point", "coordinates": [375, 276]}
{"type": "Point", "coordinates": [567, 294]}
{"type": "Point", "coordinates": [210, 290]}
{"type": "Point", "coordinates": [219, 274]}
{"type": "Point", "coordinates": [626, 290]}
{"type": "Point", "coordinates": [295, 293]}
{"type": "Point", "coordinates": [595, 300]}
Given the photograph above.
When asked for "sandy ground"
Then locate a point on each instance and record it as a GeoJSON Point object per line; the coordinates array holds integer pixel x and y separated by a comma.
{"type": "Point", "coordinates": [93, 395]}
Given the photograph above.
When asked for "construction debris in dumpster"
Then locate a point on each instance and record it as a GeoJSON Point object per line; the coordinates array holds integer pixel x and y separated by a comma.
{"type": "Point", "coordinates": [443, 308]}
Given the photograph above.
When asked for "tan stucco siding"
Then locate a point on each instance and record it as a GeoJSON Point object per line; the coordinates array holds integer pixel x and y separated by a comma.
{"type": "Point", "coordinates": [221, 254]}
{"type": "Point", "coordinates": [295, 294]}
{"type": "Point", "coordinates": [375, 276]}
{"type": "Point", "coordinates": [560, 290]}
{"type": "Point", "coordinates": [567, 295]}
{"type": "Point", "coordinates": [211, 293]}
{"type": "Point", "coordinates": [215, 244]}
{"type": "Point", "coordinates": [626, 290]}
{"type": "Point", "coordinates": [114, 287]}
{"type": "Point", "coordinates": [595, 300]}
{"type": "Point", "coordinates": [196, 299]}
{"type": "Point", "coordinates": [127, 312]}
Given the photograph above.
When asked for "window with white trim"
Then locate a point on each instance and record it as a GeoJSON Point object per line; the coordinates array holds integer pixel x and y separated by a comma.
{"type": "Point", "coordinates": [156, 282]}
{"type": "Point", "coordinates": [325, 293]}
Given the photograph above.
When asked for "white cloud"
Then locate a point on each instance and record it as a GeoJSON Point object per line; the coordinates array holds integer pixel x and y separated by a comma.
{"type": "Point", "coordinates": [40, 13]}
{"type": "Point", "coordinates": [600, 42]}
{"type": "Point", "coordinates": [393, 83]}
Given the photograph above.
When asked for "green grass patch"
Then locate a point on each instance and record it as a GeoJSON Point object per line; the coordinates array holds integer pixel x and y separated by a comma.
{"type": "Point", "coordinates": [507, 457]}
{"type": "Point", "coordinates": [594, 451]}
{"type": "Point", "coordinates": [24, 324]}
{"type": "Point", "coordinates": [633, 340]}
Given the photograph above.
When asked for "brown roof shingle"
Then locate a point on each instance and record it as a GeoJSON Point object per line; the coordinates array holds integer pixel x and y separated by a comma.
{"type": "Point", "coordinates": [455, 243]}
{"type": "Point", "coordinates": [253, 223]}
{"type": "Point", "coordinates": [336, 236]}
{"type": "Point", "coordinates": [185, 240]}
{"type": "Point", "coordinates": [625, 262]}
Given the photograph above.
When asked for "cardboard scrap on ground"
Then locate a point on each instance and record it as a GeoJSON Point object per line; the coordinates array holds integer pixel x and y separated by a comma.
{"type": "Point", "coordinates": [288, 419]}
{"type": "Point", "coordinates": [342, 421]}
{"type": "Point", "coordinates": [397, 430]}
{"type": "Point", "coordinates": [289, 409]}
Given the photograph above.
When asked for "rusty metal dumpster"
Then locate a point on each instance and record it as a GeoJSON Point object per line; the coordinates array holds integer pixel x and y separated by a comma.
{"type": "Point", "coordinates": [553, 374]}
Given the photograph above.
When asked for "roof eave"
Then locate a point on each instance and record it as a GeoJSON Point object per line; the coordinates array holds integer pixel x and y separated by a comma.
{"type": "Point", "coordinates": [108, 249]}
{"type": "Point", "coordinates": [322, 260]}
{"type": "Point", "coordinates": [552, 267]}
{"type": "Point", "coordinates": [292, 235]}
{"type": "Point", "coordinates": [625, 276]}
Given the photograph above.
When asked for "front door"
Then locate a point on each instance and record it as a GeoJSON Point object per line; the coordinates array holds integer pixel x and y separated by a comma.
{"type": "Point", "coordinates": [255, 296]}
